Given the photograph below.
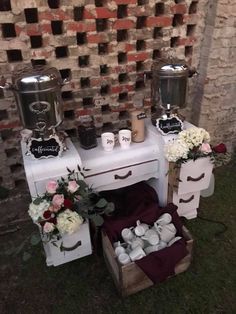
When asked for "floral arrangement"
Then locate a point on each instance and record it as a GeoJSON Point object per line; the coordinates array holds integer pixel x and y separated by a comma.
{"type": "Point", "coordinates": [194, 143]}
{"type": "Point", "coordinates": [65, 205]}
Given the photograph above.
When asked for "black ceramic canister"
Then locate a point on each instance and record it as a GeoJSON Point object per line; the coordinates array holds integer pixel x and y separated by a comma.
{"type": "Point", "coordinates": [87, 132]}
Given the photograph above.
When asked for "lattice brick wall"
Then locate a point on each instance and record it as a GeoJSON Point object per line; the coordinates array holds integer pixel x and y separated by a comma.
{"type": "Point", "coordinates": [103, 46]}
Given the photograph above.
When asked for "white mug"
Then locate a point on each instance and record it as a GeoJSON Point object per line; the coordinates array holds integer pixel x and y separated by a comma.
{"type": "Point", "coordinates": [124, 258]}
{"type": "Point", "coordinates": [137, 253]}
{"type": "Point", "coordinates": [108, 141]}
{"type": "Point", "coordinates": [124, 138]}
{"type": "Point", "coordinates": [26, 135]}
{"type": "Point", "coordinates": [136, 242]}
{"type": "Point", "coordinates": [151, 237]}
{"type": "Point", "coordinates": [119, 250]}
{"type": "Point", "coordinates": [127, 234]}
{"type": "Point", "coordinates": [166, 232]}
{"type": "Point", "coordinates": [152, 248]}
{"type": "Point", "coordinates": [140, 228]}
{"type": "Point", "coordinates": [164, 219]}
{"type": "Point", "coordinates": [174, 240]}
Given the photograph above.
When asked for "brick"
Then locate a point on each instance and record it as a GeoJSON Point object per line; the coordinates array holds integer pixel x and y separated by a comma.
{"type": "Point", "coordinates": [125, 1]}
{"type": "Point", "coordinates": [81, 27]}
{"type": "Point", "coordinates": [188, 41]}
{"type": "Point", "coordinates": [159, 21]}
{"type": "Point", "coordinates": [33, 29]}
{"type": "Point", "coordinates": [122, 88]}
{"type": "Point", "coordinates": [123, 24]}
{"type": "Point", "coordinates": [96, 38]}
{"type": "Point", "coordinates": [142, 56]}
{"type": "Point", "coordinates": [88, 15]}
{"type": "Point", "coordinates": [179, 9]}
{"type": "Point", "coordinates": [104, 13]}
{"type": "Point", "coordinates": [10, 125]}
{"type": "Point", "coordinates": [46, 28]}
{"type": "Point", "coordinates": [57, 15]}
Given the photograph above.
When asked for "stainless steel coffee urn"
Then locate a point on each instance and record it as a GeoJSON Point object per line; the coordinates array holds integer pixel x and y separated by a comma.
{"type": "Point", "coordinates": [169, 87]}
{"type": "Point", "coordinates": [38, 96]}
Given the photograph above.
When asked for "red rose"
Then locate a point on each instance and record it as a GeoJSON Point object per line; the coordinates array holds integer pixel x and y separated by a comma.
{"type": "Point", "coordinates": [220, 148]}
{"type": "Point", "coordinates": [47, 214]}
{"type": "Point", "coordinates": [53, 220]}
{"type": "Point", "coordinates": [68, 203]}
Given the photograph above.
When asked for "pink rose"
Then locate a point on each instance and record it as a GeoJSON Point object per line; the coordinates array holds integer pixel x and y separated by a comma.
{"type": "Point", "coordinates": [72, 186]}
{"type": "Point", "coordinates": [48, 227]}
{"type": "Point", "coordinates": [205, 148]}
{"type": "Point", "coordinates": [54, 208]}
{"type": "Point", "coordinates": [58, 200]}
{"type": "Point", "coordinates": [51, 187]}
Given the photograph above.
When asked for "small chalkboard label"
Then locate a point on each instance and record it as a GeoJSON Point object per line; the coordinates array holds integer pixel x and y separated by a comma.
{"type": "Point", "coordinates": [51, 147]}
{"type": "Point", "coordinates": [141, 116]}
{"type": "Point", "coordinates": [171, 125]}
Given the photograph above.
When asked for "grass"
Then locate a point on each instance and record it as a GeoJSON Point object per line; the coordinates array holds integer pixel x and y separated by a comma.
{"type": "Point", "coordinates": [85, 286]}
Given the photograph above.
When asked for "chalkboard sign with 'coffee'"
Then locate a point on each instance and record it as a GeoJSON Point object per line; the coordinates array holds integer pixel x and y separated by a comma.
{"type": "Point", "coordinates": [46, 148]}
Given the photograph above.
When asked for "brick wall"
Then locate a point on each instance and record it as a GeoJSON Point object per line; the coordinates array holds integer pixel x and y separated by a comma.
{"type": "Point", "coordinates": [103, 46]}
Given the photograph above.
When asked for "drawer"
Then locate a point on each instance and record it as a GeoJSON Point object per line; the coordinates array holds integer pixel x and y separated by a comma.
{"type": "Point", "coordinates": [119, 177]}
{"type": "Point", "coordinates": [76, 245]}
{"type": "Point", "coordinates": [187, 204]}
{"type": "Point", "coordinates": [193, 176]}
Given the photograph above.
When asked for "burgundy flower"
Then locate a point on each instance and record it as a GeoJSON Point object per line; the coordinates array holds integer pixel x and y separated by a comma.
{"type": "Point", "coordinates": [47, 214]}
{"type": "Point", "coordinates": [220, 148]}
{"type": "Point", "coordinates": [68, 203]}
{"type": "Point", "coordinates": [53, 220]}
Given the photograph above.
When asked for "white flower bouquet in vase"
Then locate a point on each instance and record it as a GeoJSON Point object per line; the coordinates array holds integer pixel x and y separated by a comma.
{"type": "Point", "coordinates": [191, 160]}
{"type": "Point", "coordinates": [62, 214]}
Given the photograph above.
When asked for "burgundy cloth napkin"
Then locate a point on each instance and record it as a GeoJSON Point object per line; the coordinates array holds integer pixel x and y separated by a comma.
{"type": "Point", "coordinates": [140, 202]}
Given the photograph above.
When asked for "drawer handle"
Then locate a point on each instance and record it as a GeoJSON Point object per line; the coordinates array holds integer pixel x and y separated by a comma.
{"type": "Point", "coordinates": [129, 173]}
{"type": "Point", "coordinates": [181, 200]}
{"type": "Point", "coordinates": [72, 248]}
{"type": "Point", "coordinates": [189, 178]}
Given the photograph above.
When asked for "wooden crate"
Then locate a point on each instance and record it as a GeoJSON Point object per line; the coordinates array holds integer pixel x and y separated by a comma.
{"type": "Point", "coordinates": [129, 278]}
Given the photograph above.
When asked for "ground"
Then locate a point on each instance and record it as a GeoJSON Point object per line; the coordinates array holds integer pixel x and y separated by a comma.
{"type": "Point", "coordinates": [85, 285]}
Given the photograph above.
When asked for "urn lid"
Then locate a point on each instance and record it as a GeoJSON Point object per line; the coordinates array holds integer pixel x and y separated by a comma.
{"type": "Point", "coordinates": [170, 68]}
{"type": "Point", "coordinates": [39, 78]}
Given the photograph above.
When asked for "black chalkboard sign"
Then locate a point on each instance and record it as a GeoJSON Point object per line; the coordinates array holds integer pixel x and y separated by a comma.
{"type": "Point", "coordinates": [170, 125]}
{"type": "Point", "coordinates": [46, 148]}
{"type": "Point", "coordinates": [141, 116]}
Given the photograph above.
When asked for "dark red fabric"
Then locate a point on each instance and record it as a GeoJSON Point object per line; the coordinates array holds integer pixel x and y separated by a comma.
{"type": "Point", "coordinates": [139, 202]}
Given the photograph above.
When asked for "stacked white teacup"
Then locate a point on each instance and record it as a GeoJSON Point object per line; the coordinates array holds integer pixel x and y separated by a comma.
{"type": "Point", "coordinates": [144, 239]}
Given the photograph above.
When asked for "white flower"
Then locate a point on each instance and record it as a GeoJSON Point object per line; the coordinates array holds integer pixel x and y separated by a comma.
{"type": "Point", "coordinates": [36, 211]}
{"type": "Point", "coordinates": [194, 137]}
{"type": "Point", "coordinates": [48, 227]}
{"type": "Point", "coordinates": [68, 221]}
{"type": "Point", "coordinates": [176, 150]}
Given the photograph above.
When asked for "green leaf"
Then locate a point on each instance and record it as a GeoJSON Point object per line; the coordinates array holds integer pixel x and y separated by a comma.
{"type": "Point", "coordinates": [35, 239]}
{"type": "Point", "coordinates": [98, 220]}
{"type": "Point", "coordinates": [37, 201]}
{"type": "Point", "coordinates": [110, 208]}
{"type": "Point", "coordinates": [101, 203]}
{"type": "Point", "coordinates": [26, 256]}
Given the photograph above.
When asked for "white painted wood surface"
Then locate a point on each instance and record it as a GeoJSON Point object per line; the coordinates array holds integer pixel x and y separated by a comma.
{"type": "Point", "coordinates": [81, 238]}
